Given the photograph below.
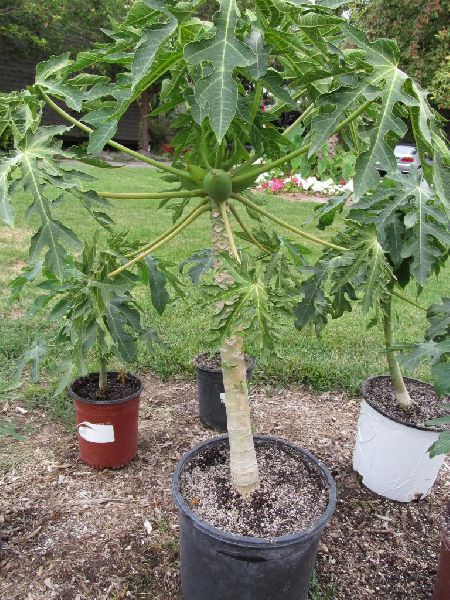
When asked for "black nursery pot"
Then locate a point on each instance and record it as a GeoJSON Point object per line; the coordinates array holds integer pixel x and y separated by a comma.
{"type": "Point", "coordinates": [209, 388]}
{"type": "Point", "coordinates": [224, 566]}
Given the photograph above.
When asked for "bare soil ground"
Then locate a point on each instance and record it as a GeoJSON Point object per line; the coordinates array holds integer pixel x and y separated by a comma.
{"type": "Point", "coordinates": [72, 533]}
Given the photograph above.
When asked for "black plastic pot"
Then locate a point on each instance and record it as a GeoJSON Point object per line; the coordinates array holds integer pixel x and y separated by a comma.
{"type": "Point", "coordinates": [216, 565]}
{"type": "Point", "coordinates": [209, 388]}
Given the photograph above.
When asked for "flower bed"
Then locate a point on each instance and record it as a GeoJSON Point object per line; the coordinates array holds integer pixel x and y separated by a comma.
{"type": "Point", "coordinates": [296, 183]}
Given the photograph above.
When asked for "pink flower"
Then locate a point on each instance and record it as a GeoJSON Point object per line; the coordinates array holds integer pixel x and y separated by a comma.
{"type": "Point", "coordinates": [276, 184]}
{"type": "Point", "coordinates": [343, 181]}
{"type": "Point", "coordinates": [264, 185]}
{"type": "Point", "coordinates": [297, 181]}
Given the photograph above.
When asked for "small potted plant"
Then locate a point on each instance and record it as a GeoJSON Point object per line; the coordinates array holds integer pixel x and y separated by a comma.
{"type": "Point", "coordinates": [98, 316]}
{"type": "Point", "coordinates": [252, 508]}
{"type": "Point", "coordinates": [396, 234]}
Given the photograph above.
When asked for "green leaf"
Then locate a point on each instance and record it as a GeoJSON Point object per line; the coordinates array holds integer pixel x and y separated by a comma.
{"type": "Point", "coordinates": [51, 232]}
{"type": "Point", "coordinates": [329, 211]}
{"type": "Point", "coordinates": [255, 41]}
{"type": "Point", "coordinates": [441, 181]}
{"type": "Point", "coordinates": [427, 235]}
{"type": "Point", "coordinates": [367, 269]}
{"type": "Point", "coordinates": [150, 43]}
{"type": "Point", "coordinates": [441, 374]}
{"type": "Point", "coordinates": [275, 83]}
{"type": "Point", "coordinates": [334, 110]}
{"type": "Point", "coordinates": [424, 223]}
{"type": "Point", "coordinates": [27, 275]}
{"type": "Point", "coordinates": [157, 283]}
{"type": "Point", "coordinates": [123, 340]}
{"type": "Point", "coordinates": [49, 76]}
{"type": "Point", "coordinates": [217, 93]}
{"type": "Point", "coordinates": [442, 446]}
{"type": "Point", "coordinates": [33, 356]}
{"type": "Point", "coordinates": [7, 166]}
{"type": "Point", "coordinates": [202, 262]}
{"type": "Point", "coordinates": [315, 307]}
{"type": "Point", "coordinates": [386, 83]}
{"type": "Point", "coordinates": [439, 319]}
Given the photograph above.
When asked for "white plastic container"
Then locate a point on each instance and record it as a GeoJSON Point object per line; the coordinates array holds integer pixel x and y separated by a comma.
{"type": "Point", "coordinates": [393, 458]}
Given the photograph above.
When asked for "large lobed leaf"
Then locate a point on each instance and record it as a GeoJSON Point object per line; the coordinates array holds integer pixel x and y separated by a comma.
{"type": "Point", "coordinates": [412, 223]}
{"type": "Point", "coordinates": [386, 82]}
{"type": "Point", "coordinates": [217, 92]}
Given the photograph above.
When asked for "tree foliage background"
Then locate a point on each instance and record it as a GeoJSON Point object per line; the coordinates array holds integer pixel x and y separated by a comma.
{"type": "Point", "coordinates": [422, 30]}
{"type": "Point", "coordinates": [56, 25]}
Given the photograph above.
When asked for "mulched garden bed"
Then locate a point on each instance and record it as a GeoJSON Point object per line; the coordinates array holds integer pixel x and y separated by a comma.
{"type": "Point", "coordinates": [77, 534]}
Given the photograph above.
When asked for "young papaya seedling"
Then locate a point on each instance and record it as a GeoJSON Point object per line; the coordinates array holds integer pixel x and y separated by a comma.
{"type": "Point", "coordinates": [98, 315]}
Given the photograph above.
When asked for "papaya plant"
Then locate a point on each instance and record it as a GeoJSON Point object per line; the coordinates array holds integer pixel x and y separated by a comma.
{"type": "Point", "coordinates": [435, 349]}
{"type": "Point", "coordinates": [97, 314]}
{"type": "Point", "coordinates": [213, 76]}
{"type": "Point", "coordinates": [397, 233]}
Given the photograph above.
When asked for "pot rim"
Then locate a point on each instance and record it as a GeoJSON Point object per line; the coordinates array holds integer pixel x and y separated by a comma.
{"type": "Point", "coordinates": [366, 396]}
{"type": "Point", "coordinates": [248, 367]}
{"type": "Point", "coordinates": [136, 394]}
{"type": "Point", "coordinates": [247, 541]}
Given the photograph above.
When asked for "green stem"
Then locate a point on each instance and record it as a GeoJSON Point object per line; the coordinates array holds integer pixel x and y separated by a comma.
{"type": "Point", "coordinates": [229, 231]}
{"type": "Point", "coordinates": [256, 102]}
{"type": "Point", "coordinates": [284, 159]}
{"type": "Point", "coordinates": [408, 300]}
{"type": "Point", "coordinates": [300, 119]}
{"type": "Point", "coordinates": [103, 374]}
{"type": "Point", "coordinates": [246, 230]}
{"type": "Point", "coordinates": [250, 160]}
{"type": "Point", "coordinates": [204, 147]}
{"type": "Point", "coordinates": [112, 143]}
{"type": "Point", "coordinates": [288, 226]}
{"type": "Point", "coordinates": [166, 238]}
{"type": "Point", "coordinates": [168, 232]}
{"type": "Point", "coordinates": [153, 196]}
{"type": "Point", "coordinates": [398, 384]}
{"type": "Point", "coordinates": [219, 154]}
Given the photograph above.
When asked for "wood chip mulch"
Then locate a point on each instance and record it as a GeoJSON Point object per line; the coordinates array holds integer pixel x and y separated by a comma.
{"type": "Point", "coordinates": [72, 533]}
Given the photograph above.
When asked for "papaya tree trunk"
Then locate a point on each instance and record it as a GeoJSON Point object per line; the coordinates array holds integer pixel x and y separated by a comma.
{"type": "Point", "coordinates": [398, 384]}
{"type": "Point", "coordinates": [243, 463]}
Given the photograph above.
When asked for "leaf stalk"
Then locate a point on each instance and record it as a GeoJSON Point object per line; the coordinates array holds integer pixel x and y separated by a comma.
{"type": "Point", "coordinates": [112, 143]}
{"type": "Point", "coordinates": [288, 226]}
{"type": "Point", "coordinates": [157, 244]}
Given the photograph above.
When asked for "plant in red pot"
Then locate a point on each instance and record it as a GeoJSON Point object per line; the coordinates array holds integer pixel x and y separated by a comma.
{"type": "Point", "coordinates": [98, 318]}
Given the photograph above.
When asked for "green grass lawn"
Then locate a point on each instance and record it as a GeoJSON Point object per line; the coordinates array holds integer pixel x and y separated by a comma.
{"type": "Point", "coordinates": [345, 355]}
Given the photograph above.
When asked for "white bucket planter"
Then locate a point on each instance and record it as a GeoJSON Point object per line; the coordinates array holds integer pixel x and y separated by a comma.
{"type": "Point", "coordinates": [393, 458]}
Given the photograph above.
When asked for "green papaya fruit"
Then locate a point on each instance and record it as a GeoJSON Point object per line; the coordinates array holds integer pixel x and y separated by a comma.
{"type": "Point", "coordinates": [218, 185]}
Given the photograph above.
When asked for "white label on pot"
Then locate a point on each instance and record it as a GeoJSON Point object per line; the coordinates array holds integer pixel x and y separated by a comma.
{"type": "Point", "coordinates": [96, 433]}
{"type": "Point", "coordinates": [222, 397]}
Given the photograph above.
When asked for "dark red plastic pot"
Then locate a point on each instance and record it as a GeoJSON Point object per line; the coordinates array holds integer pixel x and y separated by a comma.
{"type": "Point", "coordinates": [217, 565]}
{"type": "Point", "coordinates": [442, 589]}
{"type": "Point", "coordinates": [107, 430]}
